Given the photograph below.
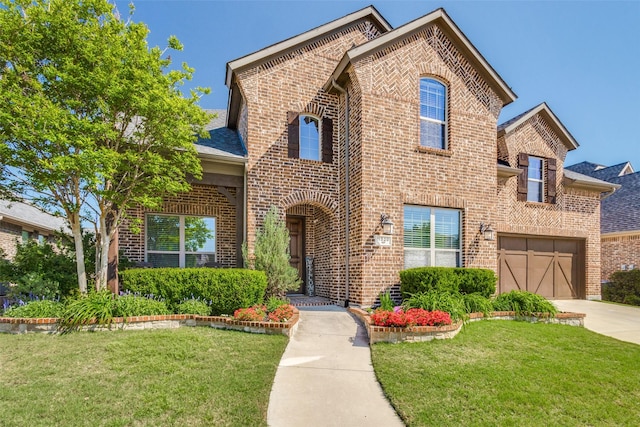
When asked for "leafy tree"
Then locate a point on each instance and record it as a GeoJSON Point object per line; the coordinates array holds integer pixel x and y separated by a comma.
{"type": "Point", "coordinates": [271, 255]}
{"type": "Point", "coordinates": [92, 119]}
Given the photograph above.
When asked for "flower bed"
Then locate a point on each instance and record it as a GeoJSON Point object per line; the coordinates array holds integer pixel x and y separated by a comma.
{"type": "Point", "coordinates": [50, 325]}
{"type": "Point", "coordinates": [414, 333]}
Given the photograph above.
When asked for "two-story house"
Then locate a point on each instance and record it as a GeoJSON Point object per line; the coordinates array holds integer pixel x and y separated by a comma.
{"type": "Point", "coordinates": [382, 151]}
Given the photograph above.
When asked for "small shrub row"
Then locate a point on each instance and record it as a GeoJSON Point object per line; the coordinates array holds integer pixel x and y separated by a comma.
{"type": "Point", "coordinates": [261, 313]}
{"type": "Point", "coordinates": [448, 279]}
{"type": "Point", "coordinates": [624, 287]}
{"type": "Point", "coordinates": [227, 289]}
{"type": "Point", "coordinates": [410, 317]}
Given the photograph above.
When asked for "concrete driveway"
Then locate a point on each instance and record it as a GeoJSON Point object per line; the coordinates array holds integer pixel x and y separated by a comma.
{"type": "Point", "coordinates": [617, 321]}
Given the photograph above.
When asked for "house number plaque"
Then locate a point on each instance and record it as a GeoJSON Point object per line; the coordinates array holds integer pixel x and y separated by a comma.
{"type": "Point", "coordinates": [381, 240]}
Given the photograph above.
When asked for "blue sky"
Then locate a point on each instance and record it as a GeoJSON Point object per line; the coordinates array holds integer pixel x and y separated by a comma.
{"type": "Point", "coordinates": [581, 57]}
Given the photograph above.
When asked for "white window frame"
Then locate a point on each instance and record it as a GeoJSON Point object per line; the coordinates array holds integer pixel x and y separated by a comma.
{"type": "Point", "coordinates": [541, 180]}
{"type": "Point", "coordinates": [432, 235]}
{"type": "Point", "coordinates": [182, 252]}
{"type": "Point", "coordinates": [300, 126]}
{"type": "Point", "coordinates": [444, 122]}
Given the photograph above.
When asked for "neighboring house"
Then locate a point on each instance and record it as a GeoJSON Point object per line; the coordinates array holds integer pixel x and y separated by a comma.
{"type": "Point", "coordinates": [354, 125]}
{"type": "Point", "coordinates": [620, 216]}
{"type": "Point", "coordinates": [21, 222]}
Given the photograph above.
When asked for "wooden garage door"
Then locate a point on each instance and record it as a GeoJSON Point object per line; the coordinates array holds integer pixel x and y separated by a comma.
{"type": "Point", "coordinates": [553, 268]}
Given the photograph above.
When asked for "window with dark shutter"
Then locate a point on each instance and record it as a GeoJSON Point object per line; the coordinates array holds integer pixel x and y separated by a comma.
{"type": "Point", "coordinates": [523, 181]}
{"type": "Point", "coordinates": [551, 181]}
{"type": "Point", "coordinates": [327, 140]}
{"type": "Point", "coordinates": [293, 128]}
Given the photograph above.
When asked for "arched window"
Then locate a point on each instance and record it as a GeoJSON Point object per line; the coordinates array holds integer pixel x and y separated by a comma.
{"type": "Point", "coordinates": [309, 138]}
{"type": "Point", "coordinates": [433, 113]}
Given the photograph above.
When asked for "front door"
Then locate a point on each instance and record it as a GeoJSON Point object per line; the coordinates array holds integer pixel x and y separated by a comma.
{"type": "Point", "coordinates": [295, 225]}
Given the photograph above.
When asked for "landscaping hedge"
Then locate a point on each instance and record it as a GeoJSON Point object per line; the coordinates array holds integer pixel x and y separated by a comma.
{"type": "Point", "coordinates": [227, 288]}
{"type": "Point", "coordinates": [449, 279]}
{"type": "Point", "coordinates": [624, 287]}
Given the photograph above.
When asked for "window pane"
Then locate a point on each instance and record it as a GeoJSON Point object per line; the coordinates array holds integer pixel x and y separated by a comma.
{"type": "Point", "coordinates": [417, 230]}
{"type": "Point", "coordinates": [447, 259]}
{"type": "Point", "coordinates": [309, 138]}
{"type": "Point", "coordinates": [431, 134]}
{"type": "Point", "coordinates": [432, 99]}
{"type": "Point", "coordinates": [163, 233]}
{"type": "Point", "coordinates": [199, 260]}
{"type": "Point", "coordinates": [417, 258]}
{"type": "Point", "coordinates": [163, 260]}
{"type": "Point", "coordinates": [447, 229]}
{"type": "Point", "coordinates": [199, 234]}
{"type": "Point", "coordinates": [535, 168]}
{"type": "Point", "coordinates": [534, 192]}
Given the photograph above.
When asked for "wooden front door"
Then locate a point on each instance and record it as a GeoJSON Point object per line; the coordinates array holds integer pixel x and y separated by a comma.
{"type": "Point", "coordinates": [295, 225]}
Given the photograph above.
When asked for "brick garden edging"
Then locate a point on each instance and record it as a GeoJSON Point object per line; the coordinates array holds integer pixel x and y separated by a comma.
{"type": "Point", "coordinates": [428, 333]}
{"type": "Point", "coordinates": [13, 325]}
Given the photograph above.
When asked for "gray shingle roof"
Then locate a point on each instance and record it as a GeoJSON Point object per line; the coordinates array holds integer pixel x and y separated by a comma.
{"type": "Point", "coordinates": [222, 141]}
{"type": "Point", "coordinates": [585, 168]}
{"type": "Point", "coordinates": [27, 214]}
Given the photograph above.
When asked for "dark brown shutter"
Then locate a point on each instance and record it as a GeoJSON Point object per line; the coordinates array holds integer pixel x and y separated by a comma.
{"type": "Point", "coordinates": [327, 140]}
{"type": "Point", "coordinates": [551, 180]}
{"type": "Point", "coordinates": [523, 178]}
{"type": "Point", "coordinates": [293, 129]}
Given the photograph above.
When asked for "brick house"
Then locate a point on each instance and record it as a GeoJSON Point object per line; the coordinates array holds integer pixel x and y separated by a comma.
{"type": "Point", "coordinates": [21, 222]}
{"type": "Point", "coordinates": [354, 125]}
{"type": "Point", "coordinates": [620, 216]}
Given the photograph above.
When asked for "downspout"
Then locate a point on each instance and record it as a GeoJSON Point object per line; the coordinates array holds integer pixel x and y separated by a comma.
{"type": "Point", "coordinates": [346, 189]}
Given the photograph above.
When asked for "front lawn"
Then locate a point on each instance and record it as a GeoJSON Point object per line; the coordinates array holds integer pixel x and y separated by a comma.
{"type": "Point", "coordinates": [178, 377]}
{"type": "Point", "coordinates": [498, 373]}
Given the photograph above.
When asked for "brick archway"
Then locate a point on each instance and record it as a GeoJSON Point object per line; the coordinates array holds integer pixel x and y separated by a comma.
{"type": "Point", "coordinates": [314, 198]}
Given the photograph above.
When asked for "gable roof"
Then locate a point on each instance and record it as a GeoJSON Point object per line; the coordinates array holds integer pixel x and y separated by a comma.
{"type": "Point", "coordinates": [585, 168]}
{"type": "Point", "coordinates": [26, 214]}
{"type": "Point", "coordinates": [278, 49]}
{"type": "Point", "coordinates": [575, 179]}
{"type": "Point", "coordinates": [223, 143]}
{"type": "Point", "coordinates": [439, 17]}
{"type": "Point", "coordinates": [543, 109]}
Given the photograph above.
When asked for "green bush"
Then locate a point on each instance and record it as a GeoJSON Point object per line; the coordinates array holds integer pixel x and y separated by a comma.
{"type": "Point", "coordinates": [624, 287]}
{"type": "Point", "coordinates": [477, 303]}
{"type": "Point", "coordinates": [434, 299]}
{"type": "Point", "coordinates": [477, 280]}
{"type": "Point", "coordinates": [128, 305]}
{"type": "Point", "coordinates": [386, 302]}
{"type": "Point", "coordinates": [424, 279]}
{"type": "Point", "coordinates": [194, 306]}
{"type": "Point", "coordinates": [98, 306]}
{"type": "Point", "coordinates": [523, 303]}
{"type": "Point", "coordinates": [36, 309]}
{"type": "Point", "coordinates": [274, 303]}
{"type": "Point", "coordinates": [227, 288]}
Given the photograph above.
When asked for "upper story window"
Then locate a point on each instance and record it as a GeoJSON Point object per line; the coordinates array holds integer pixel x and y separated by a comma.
{"type": "Point", "coordinates": [180, 241]}
{"type": "Point", "coordinates": [537, 182]}
{"type": "Point", "coordinates": [309, 138]}
{"type": "Point", "coordinates": [433, 113]}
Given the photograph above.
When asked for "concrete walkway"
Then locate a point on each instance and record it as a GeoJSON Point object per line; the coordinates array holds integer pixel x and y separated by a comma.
{"type": "Point", "coordinates": [617, 321]}
{"type": "Point", "coordinates": [325, 377]}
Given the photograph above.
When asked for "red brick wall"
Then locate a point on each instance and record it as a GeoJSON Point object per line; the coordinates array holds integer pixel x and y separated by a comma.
{"type": "Point", "coordinates": [619, 250]}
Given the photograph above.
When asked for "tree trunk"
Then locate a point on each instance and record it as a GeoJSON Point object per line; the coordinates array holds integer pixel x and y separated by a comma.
{"type": "Point", "coordinates": [107, 231]}
{"type": "Point", "coordinates": [76, 230]}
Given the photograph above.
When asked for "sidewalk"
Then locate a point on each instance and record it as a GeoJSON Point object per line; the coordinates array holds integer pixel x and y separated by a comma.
{"type": "Point", "coordinates": [325, 377]}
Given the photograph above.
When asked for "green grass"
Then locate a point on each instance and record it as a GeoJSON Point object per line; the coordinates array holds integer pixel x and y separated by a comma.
{"type": "Point", "coordinates": [505, 373]}
{"type": "Point", "coordinates": [178, 377]}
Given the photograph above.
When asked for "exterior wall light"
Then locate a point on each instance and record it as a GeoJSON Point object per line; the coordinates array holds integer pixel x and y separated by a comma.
{"type": "Point", "coordinates": [386, 224]}
{"type": "Point", "coordinates": [488, 232]}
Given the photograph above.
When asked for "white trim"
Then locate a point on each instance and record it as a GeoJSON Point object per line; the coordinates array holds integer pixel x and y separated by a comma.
{"type": "Point", "coordinates": [445, 122]}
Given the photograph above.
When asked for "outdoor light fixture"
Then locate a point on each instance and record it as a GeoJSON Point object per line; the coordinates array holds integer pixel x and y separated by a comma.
{"type": "Point", "coordinates": [386, 224]}
{"type": "Point", "coordinates": [488, 232]}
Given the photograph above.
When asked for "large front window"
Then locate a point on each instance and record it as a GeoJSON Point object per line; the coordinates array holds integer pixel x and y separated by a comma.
{"type": "Point", "coordinates": [433, 114]}
{"type": "Point", "coordinates": [180, 241]}
{"type": "Point", "coordinates": [535, 180]}
{"type": "Point", "coordinates": [431, 237]}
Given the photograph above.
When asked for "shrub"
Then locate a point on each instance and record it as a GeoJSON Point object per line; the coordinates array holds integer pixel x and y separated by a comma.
{"type": "Point", "coordinates": [227, 288]}
{"type": "Point", "coordinates": [281, 314]}
{"type": "Point", "coordinates": [128, 305]}
{"type": "Point", "coordinates": [35, 285]}
{"type": "Point", "coordinates": [523, 303]}
{"type": "Point", "coordinates": [477, 280]}
{"type": "Point", "coordinates": [36, 309]}
{"type": "Point", "coordinates": [194, 306]}
{"type": "Point", "coordinates": [274, 302]}
{"type": "Point", "coordinates": [98, 306]}
{"type": "Point", "coordinates": [624, 287]}
{"type": "Point", "coordinates": [254, 313]}
{"type": "Point", "coordinates": [271, 255]}
{"type": "Point", "coordinates": [433, 300]}
{"type": "Point", "coordinates": [425, 279]}
{"type": "Point", "coordinates": [477, 303]}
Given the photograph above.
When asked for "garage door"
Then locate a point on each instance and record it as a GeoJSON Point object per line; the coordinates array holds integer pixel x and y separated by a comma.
{"type": "Point", "coordinates": [553, 268]}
